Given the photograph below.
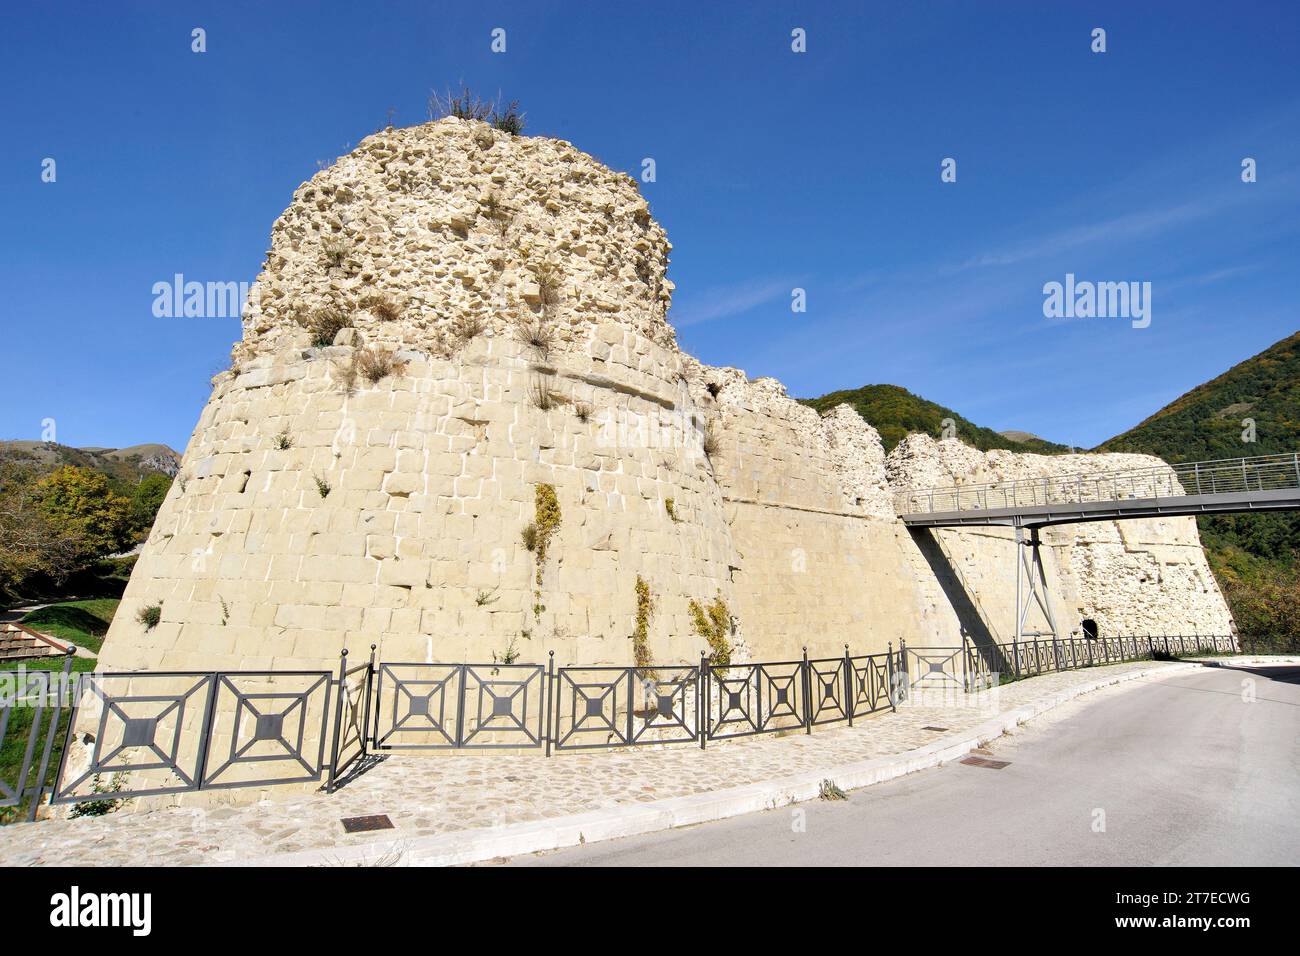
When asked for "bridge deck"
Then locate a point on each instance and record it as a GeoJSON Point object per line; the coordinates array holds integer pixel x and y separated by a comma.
{"type": "Point", "coordinates": [1270, 483]}
{"type": "Point", "coordinates": [1043, 515]}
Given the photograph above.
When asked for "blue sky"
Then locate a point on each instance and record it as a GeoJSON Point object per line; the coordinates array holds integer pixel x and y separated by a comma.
{"type": "Point", "coordinates": [775, 170]}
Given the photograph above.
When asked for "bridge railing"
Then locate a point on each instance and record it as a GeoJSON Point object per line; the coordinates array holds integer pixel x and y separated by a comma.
{"type": "Point", "coordinates": [1230, 476]}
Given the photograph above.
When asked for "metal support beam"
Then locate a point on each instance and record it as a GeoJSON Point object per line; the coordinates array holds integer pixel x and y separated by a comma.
{"type": "Point", "coordinates": [1031, 585]}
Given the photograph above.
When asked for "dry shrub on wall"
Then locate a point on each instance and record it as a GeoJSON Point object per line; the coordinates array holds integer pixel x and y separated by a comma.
{"type": "Point", "coordinates": [466, 328]}
{"type": "Point", "coordinates": [376, 364]}
{"type": "Point", "coordinates": [543, 395]}
{"type": "Point", "coordinates": [325, 323]}
{"type": "Point", "coordinates": [710, 444]}
{"type": "Point", "coordinates": [548, 285]}
{"type": "Point", "coordinates": [368, 363]}
{"type": "Point", "coordinates": [537, 333]}
{"type": "Point", "coordinates": [381, 307]}
{"type": "Point", "coordinates": [335, 250]}
{"type": "Point", "coordinates": [464, 105]}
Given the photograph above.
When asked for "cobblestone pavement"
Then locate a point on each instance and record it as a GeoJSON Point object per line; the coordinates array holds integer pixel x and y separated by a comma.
{"type": "Point", "coordinates": [440, 793]}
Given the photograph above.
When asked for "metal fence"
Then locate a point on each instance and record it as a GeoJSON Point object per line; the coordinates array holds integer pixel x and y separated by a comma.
{"type": "Point", "coordinates": [156, 733]}
{"type": "Point", "coordinates": [972, 666]}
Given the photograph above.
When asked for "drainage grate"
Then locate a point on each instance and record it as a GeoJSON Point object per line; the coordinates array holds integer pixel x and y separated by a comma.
{"type": "Point", "coordinates": [986, 762]}
{"type": "Point", "coordinates": [378, 821]}
{"type": "Point", "coordinates": [935, 729]}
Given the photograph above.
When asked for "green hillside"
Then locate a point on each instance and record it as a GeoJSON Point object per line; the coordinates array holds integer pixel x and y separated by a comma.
{"type": "Point", "coordinates": [123, 466]}
{"type": "Point", "coordinates": [1206, 423]}
{"type": "Point", "coordinates": [1253, 556]}
{"type": "Point", "coordinates": [894, 412]}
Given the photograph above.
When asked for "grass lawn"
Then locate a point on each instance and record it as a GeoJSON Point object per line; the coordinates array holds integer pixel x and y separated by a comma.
{"type": "Point", "coordinates": [83, 623]}
{"type": "Point", "coordinates": [13, 747]}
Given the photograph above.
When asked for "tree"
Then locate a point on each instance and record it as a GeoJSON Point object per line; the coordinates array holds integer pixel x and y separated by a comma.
{"type": "Point", "coordinates": [29, 544]}
{"type": "Point", "coordinates": [146, 499]}
{"type": "Point", "coordinates": [78, 502]}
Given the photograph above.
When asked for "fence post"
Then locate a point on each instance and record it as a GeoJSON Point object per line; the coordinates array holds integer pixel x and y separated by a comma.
{"type": "Point", "coordinates": [702, 699]}
{"type": "Point", "coordinates": [631, 697]}
{"type": "Point", "coordinates": [902, 665]}
{"type": "Point", "coordinates": [548, 699]}
{"type": "Point", "coordinates": [807, 693]}
{"type": "Point", "coordinates": [965, 680]}
{"type": "Point", "coordinates": [848, 685]}
{"type": "Point", "coordinates": [338, 721]}
{"type": "Point", "coordinates": [889, 668]}
{"type": "Point", "coordinates": [1056, 652]}
{"type": "Point", "coordinates": [49, 739]}
{"type": "Point", "coordinates": [1166, 644]}
{"type": "Point", "coordinates": [370, 689]}
{"type": "Point", "coordinates": [460, 705]}
{"type": "Point", "coordinates": [205, 731]}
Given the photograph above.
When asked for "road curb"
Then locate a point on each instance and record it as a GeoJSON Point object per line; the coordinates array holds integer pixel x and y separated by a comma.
{"type": "Point", "coordinates": [487, 843]}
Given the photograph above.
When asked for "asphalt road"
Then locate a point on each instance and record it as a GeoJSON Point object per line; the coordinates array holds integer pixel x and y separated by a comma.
{"type": "Point", "coordinates": [1177, 771]}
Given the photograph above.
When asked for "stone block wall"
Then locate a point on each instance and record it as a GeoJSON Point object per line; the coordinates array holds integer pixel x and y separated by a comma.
{"type": "Point", "coordinates": [519, 290]}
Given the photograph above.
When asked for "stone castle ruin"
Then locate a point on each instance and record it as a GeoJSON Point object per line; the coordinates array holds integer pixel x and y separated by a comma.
{"type": "Point", "coordinates": [458, 426]}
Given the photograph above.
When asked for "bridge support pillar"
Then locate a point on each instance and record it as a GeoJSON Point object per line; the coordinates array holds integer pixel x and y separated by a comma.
{"type": "Point", "coordinates": [1031, 585]}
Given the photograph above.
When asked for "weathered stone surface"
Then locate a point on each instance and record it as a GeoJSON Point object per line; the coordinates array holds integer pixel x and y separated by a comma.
{"type": "Point", "coordinates": [1131, 577]}
{"type": "Point", "coordinates": [318, 509]}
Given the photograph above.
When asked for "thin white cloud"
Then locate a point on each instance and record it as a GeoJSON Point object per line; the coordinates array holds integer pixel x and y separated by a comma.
{"type": "Point", "coordinates": [1134, 225]}
{"type": "Point", "coordinates": [723, 302]}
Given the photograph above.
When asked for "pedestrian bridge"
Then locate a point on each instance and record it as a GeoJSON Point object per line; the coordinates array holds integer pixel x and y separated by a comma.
{"type": "Point", "coordinates": [1231, 486]}
{"type": "Point", "coordinates": [1267, 483]}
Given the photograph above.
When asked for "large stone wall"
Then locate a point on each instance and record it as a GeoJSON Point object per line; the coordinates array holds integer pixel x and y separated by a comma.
{"type": "Point", "coordinates": [316, 509]}
{"type": "Point", "coordinates": [1132, 577]}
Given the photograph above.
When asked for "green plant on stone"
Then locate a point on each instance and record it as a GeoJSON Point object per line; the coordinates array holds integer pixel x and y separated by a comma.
{"type": "Point", "coordinates": [322, 486]}
{"type": "Point", "coordinates": [671, 507]}
{"type": "Point", "coordinates": [713, 623]}
{"type": "Point", "coordinates": [508, 656]}
{"type": "Point", "coordinates": [829, 790]}
{"type": "Point", "coordinates": [508, 120]}
{"type": "Point", "coordinates": [529, 537]}
{"type": "Point", "coordinates": [484, 598]}
{"type": "Point", "coordinates": [641, 655]}
{"type": "Point", "coordinates": [149, 616]}
{"type": "Point", "coordinates": [99, 808]}
{"type": "Point", "coordinates": [546, 520]}
{"type": "Point", "coordinates": [284, 441]}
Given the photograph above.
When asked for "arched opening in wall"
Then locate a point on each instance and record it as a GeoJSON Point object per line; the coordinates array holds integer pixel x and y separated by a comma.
{"type": "Point", "coordinates": [1089, 629]}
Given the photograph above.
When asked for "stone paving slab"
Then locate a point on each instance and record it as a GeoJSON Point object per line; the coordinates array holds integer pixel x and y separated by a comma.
{"type": "Point", "coordinates": [449, 793]}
